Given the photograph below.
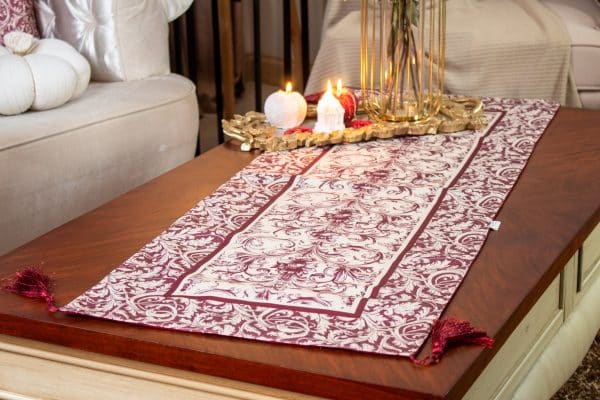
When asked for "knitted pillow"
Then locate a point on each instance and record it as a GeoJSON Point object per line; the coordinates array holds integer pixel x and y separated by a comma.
{"type": "Point", "coordinates": [17, 15]}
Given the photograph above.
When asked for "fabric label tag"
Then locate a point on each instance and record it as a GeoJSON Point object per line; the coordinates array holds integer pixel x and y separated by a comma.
{"type": "Point", "coordinates": [495, 225]}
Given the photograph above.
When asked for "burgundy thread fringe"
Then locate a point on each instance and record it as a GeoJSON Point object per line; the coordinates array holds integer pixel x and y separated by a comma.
{"type": "Point", "coordinates": [451, 332]}
{"type": "Point", "coordinates": [32, 282]}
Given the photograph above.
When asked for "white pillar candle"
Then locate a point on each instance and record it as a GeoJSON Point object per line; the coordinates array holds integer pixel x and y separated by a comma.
{"type": "Point", "coordinates": [285, 110]}
{"type": "Point", "coordinates": [330, 113]}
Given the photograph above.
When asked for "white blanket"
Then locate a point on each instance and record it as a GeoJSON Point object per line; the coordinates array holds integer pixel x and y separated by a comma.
{"type": "Point", "coordinates": [509, 48]}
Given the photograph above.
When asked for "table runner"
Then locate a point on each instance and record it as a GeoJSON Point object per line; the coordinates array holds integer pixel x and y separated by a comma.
{"type": "Point", "coordinates": [357, 246]}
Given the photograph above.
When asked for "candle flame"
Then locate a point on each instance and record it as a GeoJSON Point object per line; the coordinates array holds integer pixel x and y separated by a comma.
{"type": "Point", "coordinates": [329, 90]}
{"type": "Point", "coordinates": [288, 87]}
{"type": "Point", "coordinates": [339, 87]}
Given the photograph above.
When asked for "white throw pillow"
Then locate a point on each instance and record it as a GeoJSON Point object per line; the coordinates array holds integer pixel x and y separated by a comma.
{"type": "Point", "coordinates": [122, 39]}
{"type": "Point", "coordinates": [174, 8]}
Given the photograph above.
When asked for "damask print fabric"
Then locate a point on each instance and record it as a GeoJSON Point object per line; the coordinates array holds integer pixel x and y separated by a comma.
{"type": "Point", "coordinates": [357, 246]}
{"type": "Point", "coordinates": [17, 15]}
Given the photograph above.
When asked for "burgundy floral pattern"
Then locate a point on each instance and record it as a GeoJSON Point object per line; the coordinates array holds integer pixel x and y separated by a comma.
{"type": "Point", "coordinates": [356, 246]}
{"type": "Point", "coordinates": [17, 15]}
{"type": "Point", "coordinates": [328, 256]}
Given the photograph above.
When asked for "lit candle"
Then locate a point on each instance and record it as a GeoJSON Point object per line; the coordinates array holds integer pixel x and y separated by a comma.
{"type": "Point", "coordinates": [348, 100]}
{"type": "Point", "coordinates": [285, 110]}
{"type": "Point", "coordinates": [338, 92]}
{"type": "Point", "coordinates": [330, 113]}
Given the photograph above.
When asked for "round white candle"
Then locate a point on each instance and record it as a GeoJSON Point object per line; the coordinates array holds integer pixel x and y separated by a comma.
{"type": "Point", "coordinates": [330, 113]}
{"type": "Point", "coordinates": [285, 110]}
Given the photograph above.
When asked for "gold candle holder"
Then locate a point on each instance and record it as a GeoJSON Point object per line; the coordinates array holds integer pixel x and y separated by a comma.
{"type": "Point", "coordinates": [402, 53]}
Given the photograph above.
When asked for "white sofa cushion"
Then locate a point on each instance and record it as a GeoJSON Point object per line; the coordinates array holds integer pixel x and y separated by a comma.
{"type": "Point", "coordinates": [58, 164]}
{"type": "Point", "coordinates": [99, 103]}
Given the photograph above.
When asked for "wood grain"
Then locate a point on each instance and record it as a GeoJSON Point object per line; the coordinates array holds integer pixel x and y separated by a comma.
{"type": "Point", "coordinates": [552, 208]}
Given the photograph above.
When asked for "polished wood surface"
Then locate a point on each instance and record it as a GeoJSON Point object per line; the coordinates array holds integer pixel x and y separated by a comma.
{"type": "Point", "coordinates": [552, 208]}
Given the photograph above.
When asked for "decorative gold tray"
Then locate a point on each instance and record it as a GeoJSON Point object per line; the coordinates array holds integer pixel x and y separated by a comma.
{"type": "Point", "coordinates": [254, 132]}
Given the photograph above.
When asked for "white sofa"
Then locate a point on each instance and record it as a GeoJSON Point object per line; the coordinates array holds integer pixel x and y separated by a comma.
{"type": "Point", "coordinates": [58, 164]}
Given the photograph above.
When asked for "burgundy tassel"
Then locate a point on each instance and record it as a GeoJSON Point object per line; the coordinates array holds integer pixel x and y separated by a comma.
{"type": "Point", "coordinates": [451, 332]}
{"type": "Point", "coordinates": [32, 282]}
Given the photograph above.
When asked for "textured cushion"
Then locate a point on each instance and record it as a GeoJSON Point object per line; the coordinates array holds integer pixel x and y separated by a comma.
{"type": "Point", "coordinates": [122, 39]}
{"type": "Point", "coordinates": [582, 19]}
{"type": "Point", "coordinates": [17, 15]}
{"type": "Point", "coordinates": [114, 137]}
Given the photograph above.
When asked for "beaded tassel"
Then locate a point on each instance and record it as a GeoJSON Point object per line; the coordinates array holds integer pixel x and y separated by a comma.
{"type": "Point", "coordinates": [451, 332]}
{"type": "Point", "coordinates": [32, 282]}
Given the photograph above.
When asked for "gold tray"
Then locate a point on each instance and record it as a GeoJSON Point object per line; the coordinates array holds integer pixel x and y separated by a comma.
{"type": "Point", "coordinates": [254, 132]}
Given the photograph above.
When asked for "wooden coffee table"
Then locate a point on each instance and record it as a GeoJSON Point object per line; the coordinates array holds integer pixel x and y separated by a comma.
{"type": "Point", "coordinates": [553, 208]}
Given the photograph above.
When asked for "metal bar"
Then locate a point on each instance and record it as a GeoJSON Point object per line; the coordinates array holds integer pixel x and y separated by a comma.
{"type": "Point", "coordinates": [190, 24]}
{"type": "Point", "coordinates": [257, 56]}
{"type": "Point", "coordinates": [296, 33]}
{"type": "Point", "coordinates": [287, 41]}
{"type": "Point", "coordinates": [227, 58]}
{"type": "Point", "coordinates": [178, 64]}
{"type": "Point", "coordinates": [305, 41]}
{"type": "Point", "coordinates": [217, 63]}
{"type": "Point", "coordinates": [172, 48]}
